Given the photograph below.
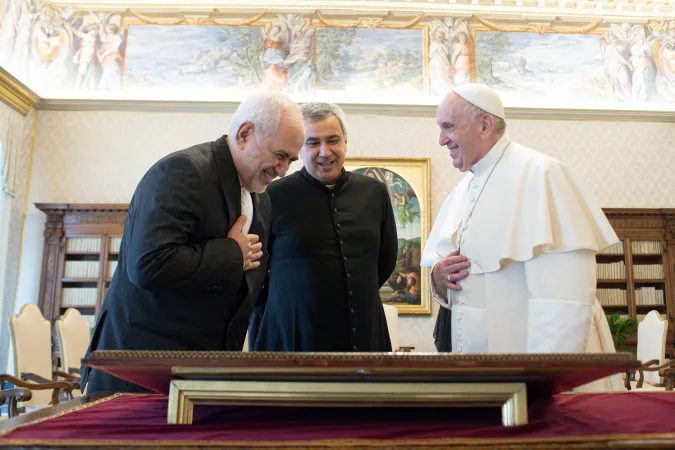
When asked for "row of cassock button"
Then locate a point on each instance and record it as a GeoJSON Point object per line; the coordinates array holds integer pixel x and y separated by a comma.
{"type": "Point", "coordinates": [460, 333]}
{"type": "Point", "coordinates": [351, 293]}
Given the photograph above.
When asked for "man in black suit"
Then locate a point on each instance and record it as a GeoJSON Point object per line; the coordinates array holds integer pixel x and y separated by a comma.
{"type": "Point", "coordinates": [191, 262]}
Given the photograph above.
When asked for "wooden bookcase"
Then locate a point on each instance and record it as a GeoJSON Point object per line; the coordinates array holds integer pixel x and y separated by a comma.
{"type": "Point", "coordinates": [80, 254]}
{"type": "Point", "coordinates": [638, 275]}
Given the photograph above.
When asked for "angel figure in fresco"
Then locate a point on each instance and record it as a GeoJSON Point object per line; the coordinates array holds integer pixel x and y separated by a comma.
{"type": "Point", "coordinates": [663, 48]}
{"type": "Point", "coordinates": [24, 32]}
{"type": "Point", "coordinates": [635, 47]}
{"type": "Point", "coordinates": [460, 54]}
{"type": "Point", "coordinates": [643, 66]}
{"type": "Point", "coordinates": [109, 56]}
{"type": "Point", "coordinates": [275, 51]}
{"type": "Point", "coordinates": [449, 54]}
{"type": "Point", "coordinates": [440, 69]}
{"type": "Point", "coordinates": [300, 61]}
{"type": "Point", "coordinates": [617, 66]}
{"type": "Point", "coordinates": [86, 56]}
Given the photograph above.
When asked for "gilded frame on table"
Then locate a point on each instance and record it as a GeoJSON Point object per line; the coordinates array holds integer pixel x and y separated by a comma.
{"type": "Point", "coordinates": [409, 183]}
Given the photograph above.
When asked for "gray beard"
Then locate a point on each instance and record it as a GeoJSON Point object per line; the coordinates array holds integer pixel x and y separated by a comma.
{"type": "Point", "coordinates": [257, 186]}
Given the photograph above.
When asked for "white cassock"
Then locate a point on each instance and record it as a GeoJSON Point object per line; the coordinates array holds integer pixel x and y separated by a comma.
{"type": "Point", "coordinates": [531, 241]}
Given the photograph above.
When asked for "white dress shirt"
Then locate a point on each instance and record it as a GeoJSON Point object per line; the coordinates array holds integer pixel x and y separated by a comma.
{"type": "Point", "coordinates": [246, 209]}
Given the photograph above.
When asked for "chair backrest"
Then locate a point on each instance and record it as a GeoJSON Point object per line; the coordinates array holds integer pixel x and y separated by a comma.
{"type": "Point", "coordinates": [74, 336]}
{"type": "Point", "coordinates": [245, 348]}
{"type": "Point", "coordinates": [32, 346]}
{"type": "Point", "coordinates": [391, 314]}
{"type": "Point", "coordinates": [651, 342]}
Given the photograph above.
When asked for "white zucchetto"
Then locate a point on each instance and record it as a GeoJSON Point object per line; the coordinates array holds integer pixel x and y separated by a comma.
{"type": "Point", "coordinates": [481, 96]}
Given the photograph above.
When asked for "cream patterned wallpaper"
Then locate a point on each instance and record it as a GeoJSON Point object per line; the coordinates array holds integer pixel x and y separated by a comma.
{"type": "Point", "coordinates": [15, 223]}
{"type": "Point", "coordinates": [100, 156]}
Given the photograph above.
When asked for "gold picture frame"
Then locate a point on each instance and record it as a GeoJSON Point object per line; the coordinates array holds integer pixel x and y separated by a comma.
{"type": "Point", "coordinates": [409, 183]}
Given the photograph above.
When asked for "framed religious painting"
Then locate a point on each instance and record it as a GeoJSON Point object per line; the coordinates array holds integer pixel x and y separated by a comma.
{"type": "Point", "coordinates": [408, 181]}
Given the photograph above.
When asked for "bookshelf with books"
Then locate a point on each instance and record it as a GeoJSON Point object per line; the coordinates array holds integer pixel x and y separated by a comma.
{"type": "Point", "coordinates": [80, 254]}
{"type": "Point", "coordinates": [636, 275]}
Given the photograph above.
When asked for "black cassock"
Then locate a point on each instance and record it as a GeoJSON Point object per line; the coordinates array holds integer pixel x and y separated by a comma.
{"type": "Point", "coordinates": [330, 251]}
{"type": "Point", "coordinates": [442, 332]}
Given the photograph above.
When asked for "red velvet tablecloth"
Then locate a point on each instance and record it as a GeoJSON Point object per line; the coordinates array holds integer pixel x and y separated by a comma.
{"type": "Point", "coordinates": [561, 420]}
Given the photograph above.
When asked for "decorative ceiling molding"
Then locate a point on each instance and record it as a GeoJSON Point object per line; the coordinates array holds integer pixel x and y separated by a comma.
{"type": "Point", "coordinates": [539, 28]}
{"type": "Point", "coordinates": [196, 20]}
{"type": "Point", "coordinates": [662, 9]}
{"type": "Point", "coordinates": [369, 23]}
{"type": "Point", "coordinates": [428, 111]}
{"type": "Point", "coordinates": [15, 93]}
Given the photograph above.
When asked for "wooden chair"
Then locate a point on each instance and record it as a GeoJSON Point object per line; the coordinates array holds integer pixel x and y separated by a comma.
{"type": "Point", "coordinates": [13, 397]}
{"type": "Point", "coordinates": [74, 335]}
{"type": "Point", "coordinates": [391, 314]}
{"type": "Point", "coordinates": [31, 343]}
{"type": "Point", "coordinates": [651, 350]}
{"type": "Point", "coordinates": [669, 374]}
{"type": "Point", "coordinates": [245, 348]}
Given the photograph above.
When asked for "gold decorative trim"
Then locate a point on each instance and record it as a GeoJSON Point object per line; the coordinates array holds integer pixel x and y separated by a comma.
{"type": "Point", "coordinates": [185, 394]}
{"type": "Point", "coordinates": [163, 355]}
{"type": "Point", "coordinates": [538, 28]}
{"type": "Point", "coordinates": [196, 20]}
{"type": "Point", "coordinates": [62, 413]}
{"type": "Point", "coordinates": [151, 21]}
{"type": "Point", "coordinates": [629, 440]}
{"type": "Point", "coordinates": [235, 23]}
{"type": "Point", "coordinates": [16, 94]}
{"type": "Point", "coordinates": [369, 23]}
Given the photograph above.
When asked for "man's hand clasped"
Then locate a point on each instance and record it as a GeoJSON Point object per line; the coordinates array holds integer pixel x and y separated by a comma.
{"type": "Point", "coordinates": [250, 245]}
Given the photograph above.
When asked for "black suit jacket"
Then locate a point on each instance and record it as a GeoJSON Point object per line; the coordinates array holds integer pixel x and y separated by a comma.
{"type": "Point", "coordinates": [179, 283]}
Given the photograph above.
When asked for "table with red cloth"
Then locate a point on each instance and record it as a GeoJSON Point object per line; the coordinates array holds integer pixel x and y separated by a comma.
{"type": "Point", "coordinates": [616, 420]}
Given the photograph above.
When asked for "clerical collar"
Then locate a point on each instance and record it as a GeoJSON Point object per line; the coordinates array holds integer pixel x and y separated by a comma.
{"type": "Point", "coordinates": [313, 181]}
{"type": "Point", "coordinates": [492, 156]}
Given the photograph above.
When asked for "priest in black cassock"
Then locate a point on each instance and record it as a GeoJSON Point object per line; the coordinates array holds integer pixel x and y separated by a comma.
{"type": "Point", "coordinates": [332, 245]}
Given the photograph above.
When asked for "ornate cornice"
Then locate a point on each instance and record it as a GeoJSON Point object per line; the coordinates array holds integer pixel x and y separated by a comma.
{"type": "Point", "coordinates": [16, 94]}
{"type": "Point", "coordinates": [396, 110]}
{"type": "Point", "coordinates": [538, 28]}
{"type": "Point", "coordinates": [517, 9]}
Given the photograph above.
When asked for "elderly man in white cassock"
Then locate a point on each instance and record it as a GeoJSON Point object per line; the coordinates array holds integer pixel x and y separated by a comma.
{"type": "Point", "coordinates": [513, 247]}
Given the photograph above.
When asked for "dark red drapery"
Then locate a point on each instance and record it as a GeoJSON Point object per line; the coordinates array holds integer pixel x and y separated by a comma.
{"type": "Point", "coordinates": [141, 419]}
